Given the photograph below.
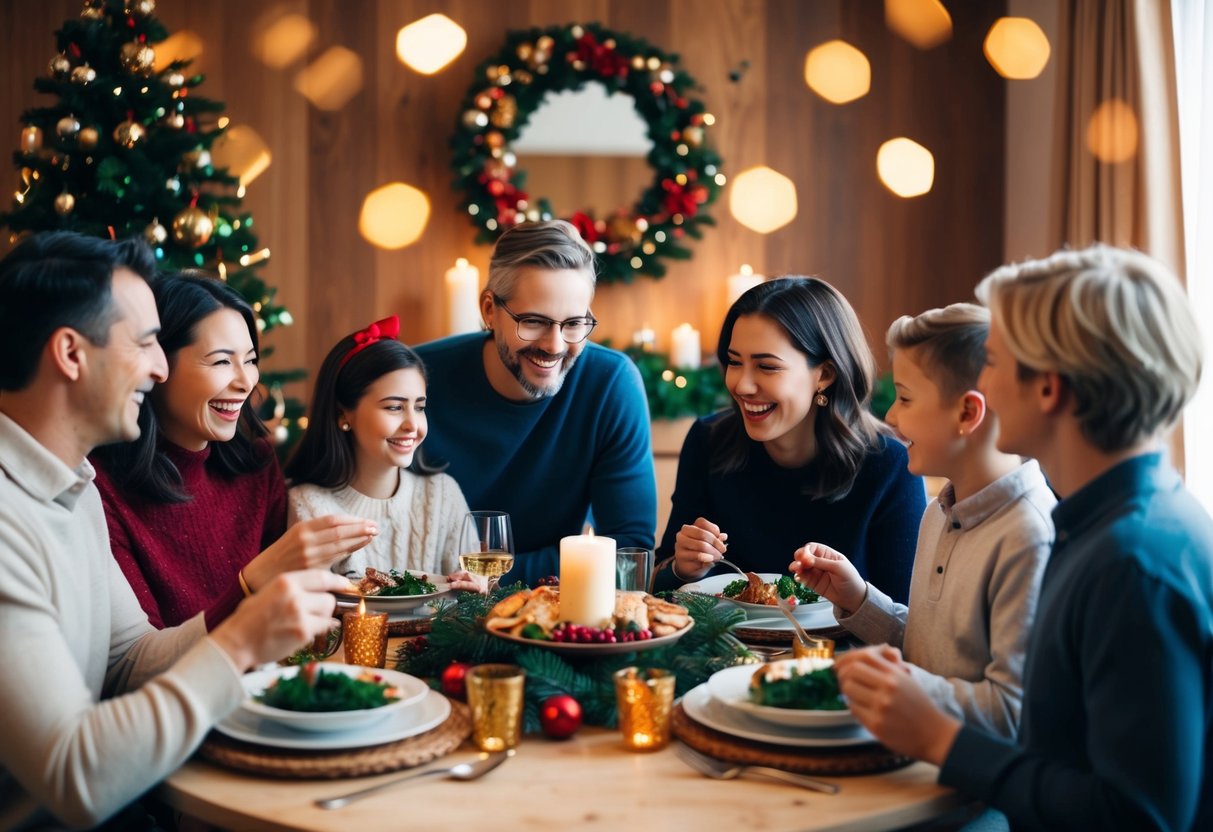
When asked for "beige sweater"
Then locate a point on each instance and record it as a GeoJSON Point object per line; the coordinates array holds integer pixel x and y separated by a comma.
{"type": "Point", "coordinates": [98, 706]}
{"type": "Point", "coordinates": [419, 525]}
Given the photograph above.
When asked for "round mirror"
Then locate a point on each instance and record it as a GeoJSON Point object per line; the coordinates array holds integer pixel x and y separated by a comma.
{"type": "Point", "coordinates": [595, 127]}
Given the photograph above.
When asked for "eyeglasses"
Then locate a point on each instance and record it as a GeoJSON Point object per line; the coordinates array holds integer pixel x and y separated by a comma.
{"type": "Point", "coordinates": [534, 327]}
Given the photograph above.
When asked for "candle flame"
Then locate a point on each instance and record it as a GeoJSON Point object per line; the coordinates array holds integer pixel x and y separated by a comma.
{"type": "Point", "coordinates": [461, 263]}
{"type": "Point", "coordinates": [589, 531]}
{"type": "Point", "coordinates": [361, 606]}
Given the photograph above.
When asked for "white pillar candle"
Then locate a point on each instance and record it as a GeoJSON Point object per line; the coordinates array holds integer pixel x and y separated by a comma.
{"type": "Point", "coordinates": [685, 352]}
{"type": "Point", "coordinates": [463, 297]}
{"type": "Point", "coordinates": [742, 282]}
{"type": "Point", "coordinates": [587, 579]}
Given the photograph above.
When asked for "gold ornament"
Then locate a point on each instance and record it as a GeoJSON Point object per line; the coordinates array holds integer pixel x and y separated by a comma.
{"type": "Point", "coordinates": [494, 140]}
{"type": "Point", "coordinates": [484, 101]}
{"type": "Point", "coordinates": [195, 159]}
{"type": "Point", "coordinates": [521, 76]}
{"type": "Point", "coordinates": [174, 80]}
{"type": "Point", "coordinates": [623, 229]}
{"type": "Point", "coordinates": [60, 66]}
{"type": "Point", "coordinates": [84, 75]}
{"type": "Point", "coordinates": [525, 50]}
{"type": "Point", "coordinates": [31, 139]}
{"type": "Point", "coordinates": [504, 113]}
{"type": "Point", "coordinates": [141, 8]}
{"type": "Point", "coordinates": [173, 121]}
{"type": "Point", "coordinates": [137, 58]}
{"type": "Point", "coordinates": [473, 119]}
{"type": "Point", "coordinates": [65, 203]}
{"type": "Point", "coordinates": [67, 127]}
{"type": "Point", "coordinates": [128, 134]}
{"type": "Point", "coordinates": [693, 135]}
{"type": "Point", "coordinates": [87, 138]}
{"type": "Point", "coordinates": [155, 233]}
{"type": "Point", "coordinates": [91, 12]}
{"type": "Point", "coordinates": [192, 227]}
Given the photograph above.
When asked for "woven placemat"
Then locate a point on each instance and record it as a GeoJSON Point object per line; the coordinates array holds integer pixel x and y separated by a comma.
{"type": "Point", "coordinates": [764, 636]}
{"type": "Point", "coordinates": [356, 762]}
{"type": "Point", "coordinates": [856, 759]}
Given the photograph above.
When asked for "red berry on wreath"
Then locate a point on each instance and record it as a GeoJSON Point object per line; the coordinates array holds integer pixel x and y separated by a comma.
{"type": "Point", "coordinates": [453, 679]}
{"type": "Point", "coordinates": [560, 716]}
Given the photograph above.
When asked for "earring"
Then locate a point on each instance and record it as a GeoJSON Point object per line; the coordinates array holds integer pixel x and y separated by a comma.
{"type": "Point", "coordinates": [820, 399]}
{"type": "Point", "coordinates": [345, 426]}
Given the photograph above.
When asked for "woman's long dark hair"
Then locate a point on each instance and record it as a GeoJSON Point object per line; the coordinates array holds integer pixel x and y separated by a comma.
{"type": "Point", "coordinates": [325, 454]}
{"type": "Point", "coordinates": [821, 324]}
{"type": "Point", "coordinates": [142, 466]}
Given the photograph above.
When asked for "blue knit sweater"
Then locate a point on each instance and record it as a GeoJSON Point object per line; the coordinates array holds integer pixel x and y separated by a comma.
{"type": "Point", "coordinates": [548, 462]}
{"type": "Point", "coordinates": [767, 515]}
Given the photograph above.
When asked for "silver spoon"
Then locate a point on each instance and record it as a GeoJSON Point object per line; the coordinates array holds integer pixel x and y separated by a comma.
{"type": "Point", "coordinates": [462, 771]}
{"type": "Point", "coordinates": [722, 770]}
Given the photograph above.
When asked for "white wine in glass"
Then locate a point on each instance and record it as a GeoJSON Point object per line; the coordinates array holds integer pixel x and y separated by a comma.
{"type": "Point", "coordinates": [487, 545]}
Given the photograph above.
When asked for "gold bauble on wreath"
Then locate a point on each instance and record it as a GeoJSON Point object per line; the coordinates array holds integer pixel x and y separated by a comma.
{"type": "Point", "coordinates": [137, 58]}
{"type": "Point", "coordinates": [155, 233]}
{"type": "Point", "coordinates": [67, 127]}
{"type": "Point", "coordinates": [128, 133]}
{"type": "Point", "coordinates": [504, 113]}
{"type": "Point", "coordinates": [87, 138]}
{"type": "Point", "coordinates": [60, 66]}
{"type": "Point", "coordinates": [31, 139]}
{"type": "Point", "coordinates": [192, 227]}
{"type": "Point", "coordinates": [84, 75]}
{"type": "Point", "coordinates": [623, 229]}
{"type": "Point", "coordinates": [65, 203]}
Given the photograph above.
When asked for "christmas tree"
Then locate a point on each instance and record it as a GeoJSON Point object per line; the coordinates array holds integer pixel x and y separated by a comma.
{"type": "Point", "coordinates": [126, 150]}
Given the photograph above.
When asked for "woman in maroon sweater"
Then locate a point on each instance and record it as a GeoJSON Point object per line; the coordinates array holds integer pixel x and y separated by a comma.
{"type": "Point", "coordinates": [197, 506]}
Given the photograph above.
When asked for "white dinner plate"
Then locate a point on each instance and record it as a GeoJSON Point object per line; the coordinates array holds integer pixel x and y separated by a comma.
{"type": "Point", "coordinates": [731, 687]}
{"type": "Point", "coordinates": [429, 713]}
{"type": "Point", "coordinates": [412, 690]}
{"type": "Point", "coordinates": [401, 603]}
{"type": "Point", "coordinates": [714, 584]}
{"type": "Point", "coordinates": [566, 648]}
{"type": "Point", "coordinates": [704, 709]}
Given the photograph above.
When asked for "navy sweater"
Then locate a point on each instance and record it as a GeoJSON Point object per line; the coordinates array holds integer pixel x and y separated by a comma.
{"type": "Point", "coordinates": [767, 515]}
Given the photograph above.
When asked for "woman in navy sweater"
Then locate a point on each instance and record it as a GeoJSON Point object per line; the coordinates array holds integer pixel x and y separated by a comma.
{"type": "Point", "coordinates": [799, 456]}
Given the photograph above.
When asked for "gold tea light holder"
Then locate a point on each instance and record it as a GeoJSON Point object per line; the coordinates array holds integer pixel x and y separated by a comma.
{"type": "Point", "coordinates": [817, 648]}
{"type": "Point", "coordinates": [495, 695]}
{"type": "Point", "coordinates": [365, 637]}
{"type": "Point", "coordinates": [645, 699]}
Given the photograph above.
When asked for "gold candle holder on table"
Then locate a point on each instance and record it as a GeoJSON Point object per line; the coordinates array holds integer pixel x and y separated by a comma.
{"type": "Point", "coordinates": [817, 648]}
{"type": "Point", "coordinates": [495, 696]}
{"type": "Point", "coordinates": [645, 698]}
{"type": "Point", "coordinates": [365, 637]}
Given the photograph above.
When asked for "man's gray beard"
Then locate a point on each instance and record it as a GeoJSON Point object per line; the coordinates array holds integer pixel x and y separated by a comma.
{"type": "Point", "coordinates": [514, 365]}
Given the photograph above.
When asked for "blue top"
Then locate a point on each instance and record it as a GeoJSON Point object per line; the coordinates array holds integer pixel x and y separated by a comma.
{"type": "Point", "coordinates": [1118, 688]}
{"type": "Point", "coordinates": [768, 516]}
{"type": "Point", "coordinates": [546, 462]}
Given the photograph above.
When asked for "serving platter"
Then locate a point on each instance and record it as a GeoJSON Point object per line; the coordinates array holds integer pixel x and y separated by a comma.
{"type": "Point", "coordinates": [566, 648]}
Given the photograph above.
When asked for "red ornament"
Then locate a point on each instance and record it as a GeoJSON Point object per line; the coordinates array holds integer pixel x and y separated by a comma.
{"type": "Point", "coordinates": [560, 716]}
{"type": "Point", "coordinates": [453, 679]}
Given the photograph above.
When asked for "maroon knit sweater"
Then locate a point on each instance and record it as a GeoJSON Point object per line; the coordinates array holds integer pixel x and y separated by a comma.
{"type": "Point", "coordinates": [182, 558]}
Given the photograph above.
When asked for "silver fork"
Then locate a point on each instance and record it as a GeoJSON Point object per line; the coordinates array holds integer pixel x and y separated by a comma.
{"type": "Point", "coordinates": [733, 566]}
{"type": "Point", "coordinates": [722, 770]}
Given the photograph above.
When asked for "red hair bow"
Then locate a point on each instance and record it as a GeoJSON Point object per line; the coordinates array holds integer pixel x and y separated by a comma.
{"type": "Point", "coordinates": [387, 329]}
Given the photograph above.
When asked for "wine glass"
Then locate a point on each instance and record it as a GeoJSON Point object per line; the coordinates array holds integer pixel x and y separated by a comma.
{"type": "Point", "coordinates": [486, 545]}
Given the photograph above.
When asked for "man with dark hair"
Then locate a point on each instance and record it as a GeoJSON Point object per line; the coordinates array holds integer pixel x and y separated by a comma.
{"type": "Point", "coordinates": [98, 705]}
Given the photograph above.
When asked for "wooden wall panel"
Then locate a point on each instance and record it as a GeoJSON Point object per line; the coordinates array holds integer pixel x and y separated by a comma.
{"type": "Point", "coordinates": [890, 256]}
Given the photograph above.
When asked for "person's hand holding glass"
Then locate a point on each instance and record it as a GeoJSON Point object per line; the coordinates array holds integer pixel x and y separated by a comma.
{"type": "Point", "coordinates": [486, 546]}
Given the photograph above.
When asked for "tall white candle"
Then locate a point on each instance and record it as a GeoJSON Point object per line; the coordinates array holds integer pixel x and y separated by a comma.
{"type": "Point", "coordinates": [587, 579]}
{"type": "Point", "coordinates": [685, 352]}
{"type": "Point", "coordinates": [742, 282]}
{"type": "Point", "coordinates": [463, 297]}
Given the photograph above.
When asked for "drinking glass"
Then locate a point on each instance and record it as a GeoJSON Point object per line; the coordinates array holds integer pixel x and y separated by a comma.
{"type": "Point", "coordinates": [486, 545]}
{"type": "Point", "coordinates": [633, 568]}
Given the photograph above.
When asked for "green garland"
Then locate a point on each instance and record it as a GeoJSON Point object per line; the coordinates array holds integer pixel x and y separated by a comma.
{"type": "Point", "coordinates": [674, 393]}
{"type": "Point", "coordinates": [512, 84]}
{"type": "Point", "coordinates": [458, 634]}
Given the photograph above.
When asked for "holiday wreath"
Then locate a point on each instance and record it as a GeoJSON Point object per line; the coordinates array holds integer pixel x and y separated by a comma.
{"type": "Point", "coordinates": [511, 85]}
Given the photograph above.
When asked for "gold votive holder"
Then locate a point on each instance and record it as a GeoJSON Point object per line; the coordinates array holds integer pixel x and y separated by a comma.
{"type": "Point", "coordinates": [644, 698]}
{"type": "Point", "coordinates": [817, 648]}
{"type": "Point", "coordinates": [495, 696]}
{"type": "Point", "coordinates": [365, 638]}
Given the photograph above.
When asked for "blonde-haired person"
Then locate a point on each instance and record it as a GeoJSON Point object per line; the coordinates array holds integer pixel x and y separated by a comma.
{"type": "Point", "coordinates": [1092, 356]}
{"type": "Point", "coordinates": [532, 418]}
{"type": "Point", "coordinates": [982, 544]}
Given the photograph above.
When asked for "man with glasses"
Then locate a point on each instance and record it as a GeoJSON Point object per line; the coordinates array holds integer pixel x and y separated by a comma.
{"type": "Point", "coordinates": [535, 420]}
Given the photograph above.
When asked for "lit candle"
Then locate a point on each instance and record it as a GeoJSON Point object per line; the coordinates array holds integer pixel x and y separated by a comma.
{"type": "Point", "coordinates": [365, 637]}
{"type": "Point", "coordinates": [644, 338]}
{"type": "Point", "coordinates": [463, 297]}
{"type": "Point", "coordinates": [742, 282]}
{"type": "Point", "coordinates": [685, 352]}
{"type": "Point", "coordinates": [587, 579]}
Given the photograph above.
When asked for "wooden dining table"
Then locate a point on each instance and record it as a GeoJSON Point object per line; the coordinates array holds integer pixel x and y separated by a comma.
{"type": "Point", "coordinates": [587, 782]}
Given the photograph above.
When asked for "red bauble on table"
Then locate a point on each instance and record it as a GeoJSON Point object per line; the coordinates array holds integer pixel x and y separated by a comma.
{"type": "Point", "coordinates": [453, 680]}
{"type": "Point", "coordinates": [560, 716]}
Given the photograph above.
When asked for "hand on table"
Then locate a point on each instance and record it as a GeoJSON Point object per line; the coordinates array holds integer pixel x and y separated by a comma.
{"type": "Point", "coordinates": [830, 575]}
{"type": "Point", "coordinates": [466, 581]}
{"type": "Point", "coordinates": [313, 544]}
{"type": "Point", "coordinates": [281, 617]}
{"type": "Point", "coordinates": [696, 547]}
{"type": "Point", "coordinates": [888, 702]}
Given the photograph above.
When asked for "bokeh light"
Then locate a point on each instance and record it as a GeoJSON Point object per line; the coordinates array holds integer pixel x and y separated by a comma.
{"type": "Point", "coordinates": [1112, 132]}
{"type": "Point", "coordinates": [394, 216]}
{"type": "Point", "coordinates": [762, 199]}
{"type": "Point", "coordinates": [924, 23]}
{"type": "Point", "coordinates": [179, 46]}
{"type": "Point", "coordinates": [283, 41]}
{"type": "Point", "coordinates": [905, 167]}
{"type": "Point", "coordinates": [838, 72]}
{"type": "Point", "coordinates": [330, 81]}
{"type": "Point", "coordinates": [1017, 48]}
{"type": "Point", "coordinates": [243, 152]}
{"type": "Point", "coordinates": [429, 44]}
